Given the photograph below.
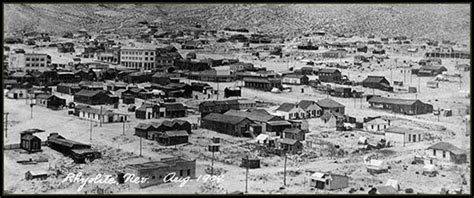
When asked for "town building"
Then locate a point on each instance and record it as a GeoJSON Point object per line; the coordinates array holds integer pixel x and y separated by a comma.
{"type": "Point", "coordinates": [158, 171]}
{"type": "Point", "coordinates": [17, 93]}
{"type": "Point", "coordinates": [79, 152]}
{"type": "Point", "coordinates": [30, 142]}
{"type": "Point", "coordinates": [153, 130]}
{"type": "Point", "coordinates": [291, 111]}
{"type": "Point", "coordinates": [311, 107]}
{"type": "Point", "coordinates": [170, 138]}
{"type": "Point", "coordinates": [431, 70]}
{"type": "Point", "coordinates": [97, 97]}
{"type": "Point", "coordinates": [377, 125]}
{"type": "Point", "coordinates": [338, 53]}
{"type": "Point", "coordinates": [228, 124]}
{"type": "Point", "coordinates": [329, 104]}
{"type": "Point", "coordinates": [294, 133]}
{"type": "Point", "coordinates": [290, 146]}
{"type": "Point", "coordinates": [262, 83]}
{"type": "Point", "coordinates": [138, 58]}
{"type": "Point", "coordinates": [101, 115]}
{"type": "Point", "coordinates": [377, 82]}
{"type": "Point", "coordinates": [448, 52]}
{"type": "Point", "coordinates": [400, 136]}
{"type": "Point", "coordinates": [259, 117]}
{"type": "Point", "coordinates": [29, 62]}
{"type": "Point", "coordinates": [294, 79]}
{"type": "Point", "coordinates": [68, 88]}
{"type": "Point", "coordinates": [217, 106]}
{"type": "Point", "coordinates": [50, 101]}
{"type": "Point", "coordinates": [447, 152]}
{"type": "Point", "coordinates": [329, 75]}
{"type": "Point", "coordinates": [405, 106]}
{"type": "Point", "coordinates": [329, 181]}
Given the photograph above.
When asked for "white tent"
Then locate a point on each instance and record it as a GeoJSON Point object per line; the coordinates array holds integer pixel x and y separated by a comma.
{"type": "Point", "coordinates": [393, 183]}
{"type": "Point", "coordinates": [429, 168]}
{"type": "Point", "coordinates": [362, 140]}
{"type": "Point", "coordinates": [275, 90]}
{"type": "Point", "coordinates": [157, 92]}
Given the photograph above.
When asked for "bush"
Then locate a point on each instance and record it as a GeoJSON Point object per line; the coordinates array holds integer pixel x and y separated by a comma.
{"type": "Point", "coordinates": [409, 190]}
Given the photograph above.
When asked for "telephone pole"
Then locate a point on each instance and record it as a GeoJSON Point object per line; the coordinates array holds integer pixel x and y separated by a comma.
{"type": "Point", "coordinates": [100, 116]}
{"type": "Point", "coordinates": [284, 172]}
{"type": "Point", "coordinates": [90, 131]}
{"type": "Point", "coordinates": [140, 146]}
{"type": "Point", "coordinates": [6, 124]}
{"type": "Point", "coordinates": [212, 164]}
{"type": "Point", "coordinates": [123, 127]}
{"type": "Point", "coordinates": [247, 175]}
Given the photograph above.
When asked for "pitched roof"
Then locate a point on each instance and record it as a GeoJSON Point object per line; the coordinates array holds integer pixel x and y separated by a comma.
{"type": "Point", "coordinates": [286, 107]}
{"type": "Point", "coordinates": [304, 104]}
{"type": "Point", "coordinates": [279, 123]}
{"type": "Point", "coordinates": [328, 70]}
{"type": "Point", "coordinates": [386, 190]}
{"type": "Point", "coordinates": [174, 106]}
{"type": "Point", "coordinates": [374, 79]}
{"type": "Point", "coordinates": [444, 146]}
{"type": "Point", "coordinates": [175, 133]}
{"type": "Point", "coordinates": [431, 67]}
{"type": "Point", "coordinates": [329, 103]}
{"type": "Point", "coordinates": [288, 141]}
{"type": "Point", "coordinates": [292, 130]}
{"type": "Point", "coordinates": [143, 126]}
{"type": "Point", "coordinates": [397, 101]}
{"type": "Point", "coordinates": [88, 93]}
{"type": "Point", "coordinates": [254, 115]}
{"type": "Point", "coordinates": [401, 130]}
{"type": "Point", "coordinates": [377, 121]}
{"type": "Point", "coordinates": [43, 96]}
{"type": "Point", "coordinates": [223, 118]}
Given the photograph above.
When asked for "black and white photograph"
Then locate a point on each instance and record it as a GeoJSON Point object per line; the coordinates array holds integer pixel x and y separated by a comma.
{"type": "Point", "coordinates": [236, 98]}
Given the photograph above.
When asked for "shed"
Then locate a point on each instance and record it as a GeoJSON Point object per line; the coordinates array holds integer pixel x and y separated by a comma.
{"type": "Point", "coordinates": [29, 175]}
{"type": "Point", "coordinates": [252, 163]}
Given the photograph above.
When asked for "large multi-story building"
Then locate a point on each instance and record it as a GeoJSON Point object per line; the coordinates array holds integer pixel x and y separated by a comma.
{"type": "Point", "coordinates": [29, 62]}
{"type": "Point", "coordinates": [138, 58]}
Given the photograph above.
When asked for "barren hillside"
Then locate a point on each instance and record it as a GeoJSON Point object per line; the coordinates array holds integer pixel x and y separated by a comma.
{"type": "Point", "coordinates": [438, 21]}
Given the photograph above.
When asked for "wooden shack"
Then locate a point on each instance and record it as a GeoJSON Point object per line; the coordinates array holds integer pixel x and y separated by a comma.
{"type": "Point", "coordinates": [250, 162]}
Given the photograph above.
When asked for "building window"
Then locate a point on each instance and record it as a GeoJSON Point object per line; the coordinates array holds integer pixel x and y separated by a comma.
{"type": "Point", "coordinates": [189, 172]}
{"type": "Point", "coordinates": [409, 138]}
{"type": "Point", "coordinates": [444, 154]}
{"type": "Point", "coordinates": [434, 152]}
{"type": "Point", "coordinates": [153, 177]}
{"type": "Point", "coordinates": [88, 115]}
{"type": "Point", "coordinates": [146, 53]}
{"type": "Point", "coordinates": [180, 173]}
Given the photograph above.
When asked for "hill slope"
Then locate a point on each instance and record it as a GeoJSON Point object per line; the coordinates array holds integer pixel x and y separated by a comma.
{"type": "Point", "coordinates": [431, 21]}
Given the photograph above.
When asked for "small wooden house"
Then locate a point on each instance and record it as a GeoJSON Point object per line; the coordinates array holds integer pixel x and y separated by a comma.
{"type": "Point", "coordinates": [30, 175]}
{"type": "Point", "coordinates": [328, 181]}
{"type": "Point", "coordinates": [251, 163]}
{"type": "Point", "coordinates": [30, 142]}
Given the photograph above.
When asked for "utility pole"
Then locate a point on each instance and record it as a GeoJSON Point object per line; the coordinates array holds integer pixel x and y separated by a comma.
{"type": "Point", "coordinates": [391, 75]}
{"type": "Point", "coordinates": [247, 175]}
{"type": "Point", "coordinates": [100, 116]}
{"type": "Point", "coordinates": [123, 127]}
{"type": "Point", "coordinates": [140, 146]}
{"type": "Point", "coordinates": [212, 164]}
{"type": "Point", "coordinates": [31, 107]}
{"type": "Point", "coordinates": [419, 84]}
{"type": "Point", "coordinates": [6, 124]}
{"type": "Point", "coordinates": [284, 172]}
{"type": "Point", "coordinates": [90, 131]}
